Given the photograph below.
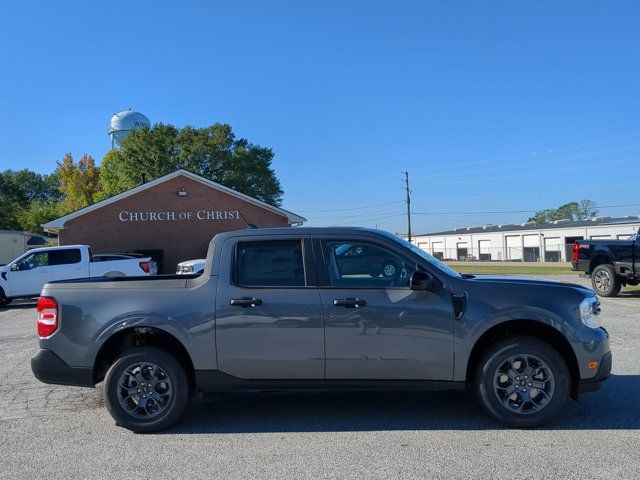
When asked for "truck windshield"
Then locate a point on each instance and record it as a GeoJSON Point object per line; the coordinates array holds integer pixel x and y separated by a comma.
{"type": "Point", "coordinates": [428, 258]}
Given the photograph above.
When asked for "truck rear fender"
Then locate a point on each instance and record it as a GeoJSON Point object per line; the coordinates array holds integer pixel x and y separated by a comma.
{"type": "Point", "coordinates": [125, 336]}
{"type": "Point", "coordinates": [599, 259]}
{"type": "Point", "coordinates": [189, 340]}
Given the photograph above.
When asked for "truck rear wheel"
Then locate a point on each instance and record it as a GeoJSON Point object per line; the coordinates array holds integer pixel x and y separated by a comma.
{"type": "Point", "coordinates": [523, 382]}
{"type": "Point", "coordinates": [605, 282]}
{"type": "Point", "coordinates": [146, 390]}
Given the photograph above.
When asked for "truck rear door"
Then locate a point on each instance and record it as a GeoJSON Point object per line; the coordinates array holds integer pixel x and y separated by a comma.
{"type": "Point", "coordinates": [67, 264]}
{"type": "Point", "coordinates": [268, 312]}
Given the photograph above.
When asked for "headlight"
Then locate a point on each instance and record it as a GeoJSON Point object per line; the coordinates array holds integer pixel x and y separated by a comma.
{"type": "Point", "coordinates": [590, 312]}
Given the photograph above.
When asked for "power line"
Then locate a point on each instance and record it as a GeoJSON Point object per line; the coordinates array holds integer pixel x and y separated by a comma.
{"type": "Point", "coordinates": [527, 164]}
{"type": "Point", "coordinates": [541, 172]}
{"type": "Point", "coordinates": [496, 212]}
{"type": "Point", "coordinates": [510, 157]}
{"type": "Point", "coordinates": [354, 208]}
{"type": "Point", "coordinates": [321, 218]}
{"type": "Point", "coordinates": [370, 219]}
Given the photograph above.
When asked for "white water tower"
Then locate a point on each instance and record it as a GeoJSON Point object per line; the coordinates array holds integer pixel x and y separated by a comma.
{"type": "Point", "coordinates": [123, 123]}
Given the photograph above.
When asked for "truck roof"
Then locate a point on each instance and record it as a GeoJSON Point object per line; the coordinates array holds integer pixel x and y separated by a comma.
{"type": "Point", "coordinates": [59, 247]}
{"type": "Point", "coordinates": [302, 231]}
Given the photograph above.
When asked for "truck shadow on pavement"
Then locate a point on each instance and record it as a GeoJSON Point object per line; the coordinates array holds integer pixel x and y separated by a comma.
{"type": "Point", "coordinates": [614, 407]}
{"type": "Point", "coordinates": [19, 305]}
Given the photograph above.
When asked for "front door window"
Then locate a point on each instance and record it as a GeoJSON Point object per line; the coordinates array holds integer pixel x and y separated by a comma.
{"type": "Point", "coordinates": [365, 265]}
{"type": "Point", "coordinates": [35, 260]}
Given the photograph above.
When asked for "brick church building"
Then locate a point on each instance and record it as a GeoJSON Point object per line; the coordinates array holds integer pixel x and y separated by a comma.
{"type": "Point", "coordinates": [171, 218]}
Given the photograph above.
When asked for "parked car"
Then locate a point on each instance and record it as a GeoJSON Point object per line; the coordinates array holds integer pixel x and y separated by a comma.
{"type": "Point", "coordinates": [27, 274]}
{"type": "Point", "coordinates": [611, 264]}
{"type": "Point", "coordinates": [271, 312]}
{"type": "Point", "coordinates": [362, 259]}
{"type": "Point", "coordinates": [191, 266]}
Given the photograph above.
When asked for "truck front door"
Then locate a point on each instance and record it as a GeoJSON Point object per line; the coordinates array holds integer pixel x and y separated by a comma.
{"type": "Point", "coordinates": [29, 274]}
{"type": "Point", "coordinates": [268, 312]}
{"type": "Point", "coordinates": [376, 327]}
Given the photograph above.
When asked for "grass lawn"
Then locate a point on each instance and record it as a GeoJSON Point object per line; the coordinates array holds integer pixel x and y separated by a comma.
{"type": "Point", "coordinates": [512, 269]}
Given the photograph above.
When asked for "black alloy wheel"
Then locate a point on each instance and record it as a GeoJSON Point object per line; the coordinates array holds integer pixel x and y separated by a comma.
{"type": "Point", "coordinates": [146, 390]}
{"type": "Point", "coordinates": [522, 382]}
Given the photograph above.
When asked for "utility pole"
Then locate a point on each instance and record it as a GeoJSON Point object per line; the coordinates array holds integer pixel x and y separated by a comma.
{"type": "Point", "coordinates": [406, 181]}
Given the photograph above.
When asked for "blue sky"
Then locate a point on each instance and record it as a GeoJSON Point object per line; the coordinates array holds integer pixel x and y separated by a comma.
{"type": "Point", "coordinates": [490, 106]}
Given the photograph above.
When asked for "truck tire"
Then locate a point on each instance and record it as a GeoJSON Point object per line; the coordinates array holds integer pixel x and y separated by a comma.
{"type": "Point", "coordinates": [604, 280]}
{"type": "Point", "coordinates": [522, 382]}
{"type": "Point", "coordinates": [4, 301]}
{"type": "Point", "coordinates": [146, 390]}
{"type": "Point", "coordinates": [114, 274]}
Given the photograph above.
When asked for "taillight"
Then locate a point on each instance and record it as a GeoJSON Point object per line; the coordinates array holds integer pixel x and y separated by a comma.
{"type": "Point", "coordinates": [145, 266]}
{"type": "Point", "coordinates": [47, 316]}
{"type": "Point", "coordinates": [576, 248]}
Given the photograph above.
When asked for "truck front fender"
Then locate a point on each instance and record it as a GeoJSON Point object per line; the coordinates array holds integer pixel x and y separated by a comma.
{"type": "Point", "coordinates": [471, 330]}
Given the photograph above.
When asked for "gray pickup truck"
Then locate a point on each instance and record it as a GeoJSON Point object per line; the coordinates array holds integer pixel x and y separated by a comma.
{"type": "Point", "coordinates": [277, 309]}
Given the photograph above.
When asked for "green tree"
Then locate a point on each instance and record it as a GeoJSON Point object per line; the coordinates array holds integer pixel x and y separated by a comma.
{"type": "Point", "coordinates": [582, 210]}
{"type": "Point", "coordinates": [111, 177]}
{"type": "Point", "coordinates": [212, 152]}
{"type": "Point", "coordinates": [79, 182]}
{"type": "Point", "coordinates": [36, 214]}
{"type": "Point", "coordinates": [18, 189]}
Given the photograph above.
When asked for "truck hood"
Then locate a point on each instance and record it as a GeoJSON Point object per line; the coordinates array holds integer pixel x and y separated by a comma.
{"type": "Point", "coordinates": [525, 281]}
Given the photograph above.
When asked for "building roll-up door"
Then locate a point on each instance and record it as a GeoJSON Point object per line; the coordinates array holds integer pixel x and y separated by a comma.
{"type": "Point", "coordinates": [484, 247]}
{"type": "Point", "coordinates": [553, 250]}
{"type": "Point", "coordinates": [437, 249]}
{"type": "Point", "coordinates": [514, 247]}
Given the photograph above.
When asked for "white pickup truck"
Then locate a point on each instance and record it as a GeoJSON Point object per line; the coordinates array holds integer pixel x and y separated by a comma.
{"type": "Point", "coordinates": [27, 274]}
{"type": "Point", "coordinates": [191, 266]}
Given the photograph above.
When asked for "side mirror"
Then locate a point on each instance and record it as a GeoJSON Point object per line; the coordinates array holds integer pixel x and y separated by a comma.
{"type": "Point", "coordinates": [14, 267]}
{"type": "Point", "coordinates": [424, 281]}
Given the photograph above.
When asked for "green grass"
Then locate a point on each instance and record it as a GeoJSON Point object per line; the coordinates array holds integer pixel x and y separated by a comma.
{"type": "Point", "coordinates": [512, 269]}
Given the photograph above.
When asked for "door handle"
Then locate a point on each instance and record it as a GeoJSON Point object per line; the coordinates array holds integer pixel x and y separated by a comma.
{"type": "Point", "coordinates": [349, 302]}
{"type": "Point", "coordinates": [246, 302]}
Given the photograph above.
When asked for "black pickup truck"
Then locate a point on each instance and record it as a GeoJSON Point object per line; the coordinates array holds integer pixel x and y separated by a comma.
{"type": "Point", "coordinates": [611, 264]}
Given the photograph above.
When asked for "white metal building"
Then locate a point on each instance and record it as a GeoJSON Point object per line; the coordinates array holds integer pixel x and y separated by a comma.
{"type": "Point", "coordinates": [529, 242]}
{"type": "Point", "coordinates": [15, 243]}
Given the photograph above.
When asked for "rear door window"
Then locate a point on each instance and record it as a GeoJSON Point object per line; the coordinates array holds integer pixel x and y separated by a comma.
{"type": "Point", "coordinates": [64, 257]}
{"type": "Point", "coordinates": [273, 263]}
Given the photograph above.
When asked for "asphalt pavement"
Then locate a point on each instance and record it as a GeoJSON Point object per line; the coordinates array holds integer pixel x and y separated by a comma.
{"type": "Point", "coordinates": [64, 432]}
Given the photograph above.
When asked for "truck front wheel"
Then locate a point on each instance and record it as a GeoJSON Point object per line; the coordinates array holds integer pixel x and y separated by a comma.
{"type": "Point", "coordinates": [522, 382]}
{"type": "Point", "coordinates": [605, 282]}
{"type": "Point", "coordinates": [4, 301]}
{"type": "Point", "coordinates": [146, 390]}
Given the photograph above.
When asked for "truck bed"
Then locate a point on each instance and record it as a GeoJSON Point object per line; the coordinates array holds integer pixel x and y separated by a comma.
{"type": "Point", "coordinates": [154, 281]}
